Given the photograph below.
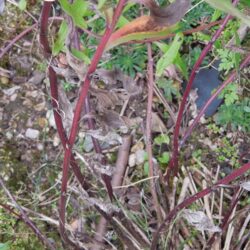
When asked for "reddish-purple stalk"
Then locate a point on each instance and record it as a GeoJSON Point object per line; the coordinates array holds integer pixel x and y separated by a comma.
{"type": "Point", "coordinates": [54, 95]}
{"type": "Point", "coordinates": [172, 214]}
{"type": "Point", "coordinates": [210, 100]}
{"type": "Point", "coordinates": [91, 125]}
{"type": "Point", "coordinates": [78, 109]}
{"type": "Point", "coordinates": [54, 92]}
{"type": "Point", "coordinates": [172, 168]}
{"type": "Point", "coordinates": [225, 222]}
{"type": "Point", "coordinates": [149, 133]}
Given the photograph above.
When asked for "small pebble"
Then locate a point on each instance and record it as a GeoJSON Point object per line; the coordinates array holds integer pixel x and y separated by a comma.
{"type": "Point", "coordinates": [140, 156]}
{"type": "Point", "coordinates": [13, 97]}
{"type": "Point", "coordinates": [32, 133]}
{"type": "Point", "coordinates": [56, 141]}
{"type": "Point", "coordinates": [132, 160]}
{"type": "Point", "coordinates": [9, 135]}
{"type": "Point", "coordinates": [4, 80]}
{"type": "Point", "coordinates": [40, 146]}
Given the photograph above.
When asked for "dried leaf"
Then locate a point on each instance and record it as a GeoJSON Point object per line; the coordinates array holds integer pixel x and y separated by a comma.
{"type": "Point", "coordinates": [200, 221]}
{"type": "Point", "coordinates": [167, 15]}
{"type": "Point", "coordinates": [113, 119]}
{"type": "Point", "coordinates": [11, 91]}
{"type": "Point", "coordinates": [76, 64]}
{"type": "Point", "coordinates": [65, 108]}
{"type": "Point", "coordinates": [246, 185]}
{"type": "Point", "coordinates": [161, 21]}
{"type": "Point", "coordinates": [157, 124]}
{"type": "Point", "coordinates": [111, 138]}
{"type": "Point", "coordinates": [106, 99]}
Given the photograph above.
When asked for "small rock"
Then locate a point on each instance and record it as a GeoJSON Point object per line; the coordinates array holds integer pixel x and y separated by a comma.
{"type": "Point", "coordinates": [33, 93]}
{"type": "Point", "coordinates": [32, 133]}
{"type": "Point", "coordinates": [137, 146]}
{"type": "Point", "coordinates": [140, 156]}
{"type": "Point", "coordinates": [11, 91]}
{"type": "Point", "coordinates": [132, 160]}
{"type": "Point", "coordinates": [37, 77]}
{"type": "Point", "coordinates": [40, 106]}
{"type": "Point", "coordinates": [13, 97]}
{"type": "Point", "coordinates": [40, 146]}
{"type": "Point", "coordinates": [56, 141]}
{"type": "Point", "coordinates": [50, 117]}
{"type": "Point", "coordinates": [9, 135]}
{"type": "Point", "coordinates": [42, 122]}
{"type": "Point", "coordinates": [4, 80]}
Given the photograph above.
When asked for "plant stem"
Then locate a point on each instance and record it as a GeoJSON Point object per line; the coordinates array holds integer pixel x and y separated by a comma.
{"type": "Point", "coordinates": [149, 134]}
{"type": "Point", "coordinates": [172, 214]}
{"type": "Point", "coordinates": [78, 109]}
{"type": "Point", "coordinates": [214, 95]}
{"type": "Point", "coordinates": [172, 169]}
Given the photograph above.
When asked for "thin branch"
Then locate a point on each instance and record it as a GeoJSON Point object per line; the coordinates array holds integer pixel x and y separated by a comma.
{"type": "Point", "coordinates": [121, 164]}
{"type": "Point", "coordinates": [172, 214]}
{"type": "Point", "coordinates": [78, 109]}
{"type": "Point", "coordinates": [149, 134]}
{"type": "Point", "coordinates": [173, 165]}
{"type": "Point", "coordinates": [225, 222]}
{"type": "Point", "coordinates": [213, 96]}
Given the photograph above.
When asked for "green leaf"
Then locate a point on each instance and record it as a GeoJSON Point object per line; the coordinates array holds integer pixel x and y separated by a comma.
{"type": "Point", "coordinates": [77, 10]}
{"type": "Point", "coordinates": [81, 55]}
{"type": "Point", "coordinates": [179, 62]}
{"type": "Point", "coordinates": [227, 6]}
{"type": "Point", "coordinates": [101, 4]}
{"type": "Point", "coordinates": [140, 36]}
{"type": "Point", "coordinates": [247, 109]}
{"type": "Point", "coordinates": [237, 56]}
{"type": "Point", "coordinates": [4, 246]}
{"type": "Point", "coordinates": [164, 158]}
{"type": "Point", "coordinates": [159, 140]}
{"type": "Point", "coordinates": [60, 41]}
{"type": "Point", "coordinates": [122, 21]}
{"type": "Point", "coordinates": [22, 4]}
{"type": "Point", "coordinates": [216, 15]}
{"type": "Point", "coordinates": [146, 168]}
{"type": "Point", "coordinates": [245, 2]}
{"type": "Point", "coordinates": [170, 55]}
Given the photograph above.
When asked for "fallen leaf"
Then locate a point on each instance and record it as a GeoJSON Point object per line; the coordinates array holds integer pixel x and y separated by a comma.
{"type": "Point", "coordinates": [245, 185]}
{"type": "Point", "coordinates": [200, 221]}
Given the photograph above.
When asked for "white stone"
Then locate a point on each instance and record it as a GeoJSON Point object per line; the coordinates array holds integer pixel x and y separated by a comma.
{"type": "Point", "coordinates": [140, 156]}
{"type": "Point", "coordinates": [32, 133]}
{"type": "Point", "coordinates": [56, 141]}
{"type": "Point", "coordinates": [50, 118]}
{"type": "Point", "coordinates": [9, 135]}
{"type": "Point", "coordinates": [132, 160]}
{"type": "Point", "coordinates": [40, 146]}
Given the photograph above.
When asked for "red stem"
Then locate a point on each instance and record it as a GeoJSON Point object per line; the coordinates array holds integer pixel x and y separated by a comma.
{"type": "Point", "coordinates": [235, 174]}
{"type": "Point", "coordinates": [54, 95]}
{"type": "Point", "coordinates": [173, 165]}
{"type": "Point", "coordinates": [78, 109]}
{"type": "Point", "coordinates": [224, 224]}
{"type": "Point", "coordinates": [210, 100]}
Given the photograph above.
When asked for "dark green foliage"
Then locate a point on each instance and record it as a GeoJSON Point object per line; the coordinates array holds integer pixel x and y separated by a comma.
{"type": "Point", "coordinates": [129, 61]}
{"type": "Point", "coordinates": [237, 115]}
{"type": "Point", "coordinates": [169, 88]}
